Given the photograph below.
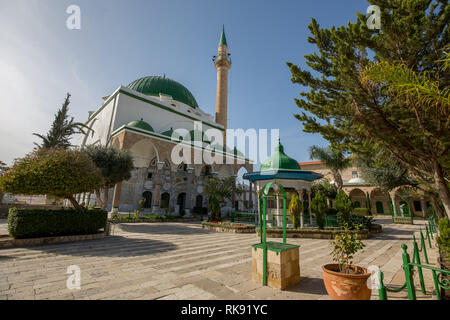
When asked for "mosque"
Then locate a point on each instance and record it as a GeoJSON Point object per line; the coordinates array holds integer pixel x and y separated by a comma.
{"type": "Point", "coordinates": [142, 118]}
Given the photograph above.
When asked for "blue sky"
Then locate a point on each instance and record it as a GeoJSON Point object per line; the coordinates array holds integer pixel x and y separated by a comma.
{"type": "Point", "coordinates": [120, 41]}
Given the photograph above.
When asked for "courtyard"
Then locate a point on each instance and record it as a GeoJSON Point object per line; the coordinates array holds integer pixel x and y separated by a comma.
{"type": "Point", "coordinates": [183, 261]}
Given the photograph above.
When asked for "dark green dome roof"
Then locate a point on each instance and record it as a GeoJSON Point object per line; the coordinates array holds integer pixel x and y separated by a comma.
{"type": "Point", "coordinates": [154, 85]}
{"type": "Point", "coordinates": [280, 161]}
{"type": "Point", "coordinates": [141, 124]}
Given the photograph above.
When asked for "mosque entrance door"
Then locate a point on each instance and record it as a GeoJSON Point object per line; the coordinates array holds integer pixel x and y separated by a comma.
{"type": "Point", "coordinates": [181, 202]}
{"type": "Point", "coordinates": [147, 195]}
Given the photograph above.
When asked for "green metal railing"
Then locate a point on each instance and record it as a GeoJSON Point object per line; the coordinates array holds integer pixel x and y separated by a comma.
{"type": "Point", "coordinates": [415, 266]}
{"type": "Point", "coordinates": [238, 216]}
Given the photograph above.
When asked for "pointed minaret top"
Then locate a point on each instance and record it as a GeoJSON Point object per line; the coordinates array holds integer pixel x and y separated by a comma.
{"type": "Point", "coordinates": [223, 39]}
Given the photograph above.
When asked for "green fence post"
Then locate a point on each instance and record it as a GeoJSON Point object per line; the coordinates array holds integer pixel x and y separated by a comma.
{"type": "Point", "coordinates": [382, 293]}
{"type": "Point", "coordinates": [436, 285]}
{"type": "Point", "coordinates": [264, 244]}
{"type": "Point", "coordinates": [408, 274]}
{"type": "Point", "coordinates": [284, 220]}
{"type": "Point", "coordinates": [419, 269]}
{"type": "Point", "coordinates": [423, 247]}
{"type": "Point", "coordinates": [431, 230]}
{"type": "Point", "coordinates": [428, 236]}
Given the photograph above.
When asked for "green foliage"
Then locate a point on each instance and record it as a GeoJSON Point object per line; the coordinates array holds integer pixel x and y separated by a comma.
{"type": "Point", "coordinates": [115, 165]}
{"type": "Point", "coordinates": [361, 222]}
{"type": "Point", "coordinates": [344, 246]}
{"type": "Point", "coordinates": [331, 212]}
{"type": "Point", "coordinates": [325, 187]}
{"type": "Point", "coordinates": [344, 205]}
{"type": "Point", "coordinates": [61, 130]}
{"type": "Point", "coordinates": [361, 211]}
{"type": "Point", "coordinates": [33, 223]}
{"type": "Point", "coordinates": [443, 239]}
{"type": "Point", "coordinates": [319, 207]}
{"type": "Point", "coordinates": [383, 89]}
{"type": "Point", "coordinates": [384, 171]}
{"type": "Point", "coordinates": [218, 191]}
{"type": "Point", "coordinates": [55, 172]}
{"type": "Point", "coordinates": [295, 209]}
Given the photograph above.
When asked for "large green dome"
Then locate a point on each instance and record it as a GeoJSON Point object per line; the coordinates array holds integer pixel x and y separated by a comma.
{"type": "Point", "coordinates": [154, 85]}
{"type": "Point", "coordinates": [280, 161]}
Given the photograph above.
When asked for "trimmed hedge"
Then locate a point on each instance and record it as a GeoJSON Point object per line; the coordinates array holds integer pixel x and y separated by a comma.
{"type": "Point", "coordinates": [361, 211]}
{"type": "Point", "coordinates": [34, 223]}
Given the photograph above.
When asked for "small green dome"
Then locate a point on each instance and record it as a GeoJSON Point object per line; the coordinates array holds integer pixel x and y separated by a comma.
{"type": "Point", "coordinates": [141, 124]}
{"type": "Point", "coordinates": [280, 161]}
{"type": "Point", "coordinates": [154, 85]}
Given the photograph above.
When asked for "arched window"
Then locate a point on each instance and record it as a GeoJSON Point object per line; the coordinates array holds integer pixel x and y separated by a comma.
{"type": "Point", "coordinates": [356, 204]}
{"type": "Point", "coordinates": [147, 196]}
{"type": "Point", "coordinates": [199, 201]}
{"type": "Point", "coordinates": [165, 200]}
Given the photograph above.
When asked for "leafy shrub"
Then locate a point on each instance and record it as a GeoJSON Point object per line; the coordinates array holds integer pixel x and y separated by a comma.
{"type": "Point", "coordinates": [344, 206]}
{"type": "Point", "coordinates": [331, 212]}
{"type": "Point", "coordinates": [361, 211]}
{"type": "Point", "coordinates": [55, 172]}
{"type": "Point", "coordinates": [444, 235]}
{"type": "Point", "coordinates": [33, 223]}
{"type": "Point", "coordinates": [354, 221]}
{"type": "Point", "coordinates": [345, 245]}
{"type": "Point", "coordinates": [319, 207]}
{"type": "Point", "coordinates": [295, 209]}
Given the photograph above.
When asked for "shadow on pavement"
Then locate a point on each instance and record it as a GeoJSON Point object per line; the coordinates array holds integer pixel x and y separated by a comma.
{"type": "Point", "coordinates": [161, 228]}
{"type": "Point", "coordinates": [112, 246]}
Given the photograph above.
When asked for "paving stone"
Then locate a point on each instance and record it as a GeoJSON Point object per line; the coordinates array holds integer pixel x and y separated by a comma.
{"type": "Point", "coordinates": [181, 261]}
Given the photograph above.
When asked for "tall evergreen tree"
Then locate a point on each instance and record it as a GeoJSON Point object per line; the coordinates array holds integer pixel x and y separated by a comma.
{"type": "Point", "coordinates": [62, 129]}
{"type": "Point", "coordinates": [348, 108]}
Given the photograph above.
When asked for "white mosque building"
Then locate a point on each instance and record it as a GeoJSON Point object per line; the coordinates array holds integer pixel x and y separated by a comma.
{"type": "Point", "coordinates": [142, 117]}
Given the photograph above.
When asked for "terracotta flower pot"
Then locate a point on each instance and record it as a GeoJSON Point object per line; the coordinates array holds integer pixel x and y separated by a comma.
{"type": "Point", "coordinates": [342, 286]}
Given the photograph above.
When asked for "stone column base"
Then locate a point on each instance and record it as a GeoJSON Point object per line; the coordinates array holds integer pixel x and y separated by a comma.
{"type": "Point", "coordinates": [283, 267]}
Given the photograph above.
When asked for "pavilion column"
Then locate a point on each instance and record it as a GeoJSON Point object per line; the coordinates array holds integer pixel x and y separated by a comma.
{"type": "Point", "coordinates": [423, 205]}
{"type": "Point", "coordinates": [250, 197]}
{"type": "Point", "coordinates": [309, 207]}
{"type": "Point", "coordinates": [300, 194]}
{"type": "Point", "coordinates": [156, 195]}
{"type": "Point", "coordinates": [258, 209]}
{"type": "Point", "coordinates": [116, 199]}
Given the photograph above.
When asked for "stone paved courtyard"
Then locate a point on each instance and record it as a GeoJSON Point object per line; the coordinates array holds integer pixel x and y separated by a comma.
{"type": "Point", "coordinates": [183, 261]}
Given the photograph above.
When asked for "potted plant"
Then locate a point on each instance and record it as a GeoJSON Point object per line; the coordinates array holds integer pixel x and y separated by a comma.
{"type": "Point", "coordinates": [343, 280]}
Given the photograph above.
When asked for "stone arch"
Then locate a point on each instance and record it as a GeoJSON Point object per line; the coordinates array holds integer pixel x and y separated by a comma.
{"type": "Point", "coordinates": [379, 201]}
{"type": "Point", "coordinates": [357, 196]}
{"type": "Point", "coordinates": [143, 151]}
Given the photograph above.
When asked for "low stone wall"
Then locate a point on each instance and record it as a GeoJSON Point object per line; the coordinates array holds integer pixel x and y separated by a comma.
{"type": "Point", "coordinates": [312, 233]}
{"type": "Point", "coordinates": [403, 220]}
{"type": "Point", "coordinates": [8, 242]}
{"type": "Point", "coordinates": [228, 228]}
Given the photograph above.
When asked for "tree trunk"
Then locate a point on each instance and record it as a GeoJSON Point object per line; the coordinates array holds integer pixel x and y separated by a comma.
{"type": "Point", "coordinates": [74, 202]}
{"type": "Point", "coordinates": [441, 187]}
{"type": "Point", "coordinates": [105, 197]}
{"type": "Point", "coordinates": [99, 199]}
{"type": "Point", "coordinates": [338, 183]}
{"type": "Point", "coordinates": [437, 207]}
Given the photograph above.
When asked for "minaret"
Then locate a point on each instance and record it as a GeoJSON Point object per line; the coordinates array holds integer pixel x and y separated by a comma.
{"type": "Point", "coordinates": [222, 64]}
